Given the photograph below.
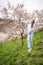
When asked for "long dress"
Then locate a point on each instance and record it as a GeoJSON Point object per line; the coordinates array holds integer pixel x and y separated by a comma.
{"type": "Point", "coordinates": [30, 34]}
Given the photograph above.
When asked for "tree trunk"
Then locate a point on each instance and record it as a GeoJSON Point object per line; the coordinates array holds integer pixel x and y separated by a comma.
{"type": "Point", "coordinates": [22, 39]}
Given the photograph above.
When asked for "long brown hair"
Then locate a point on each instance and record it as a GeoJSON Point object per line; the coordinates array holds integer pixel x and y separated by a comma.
{"type": "Point", "coordinates": [32, 23]}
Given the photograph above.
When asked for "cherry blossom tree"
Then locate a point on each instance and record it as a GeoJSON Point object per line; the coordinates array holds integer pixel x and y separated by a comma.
{"type": "Point", "coordinates": [21, 15]}
{"type": "Point", "coordinates": [17, 12]}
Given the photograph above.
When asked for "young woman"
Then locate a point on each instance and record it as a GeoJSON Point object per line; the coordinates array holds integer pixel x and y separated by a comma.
{"type": "Point", "coordinates": [30, 33]}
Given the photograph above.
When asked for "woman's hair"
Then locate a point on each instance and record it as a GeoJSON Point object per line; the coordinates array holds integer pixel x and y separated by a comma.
{"type": "Point", "coordinates": [32, 23]}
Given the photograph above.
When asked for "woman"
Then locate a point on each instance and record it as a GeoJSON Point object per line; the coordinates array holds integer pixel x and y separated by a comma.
{"type": "Point", "coordinates": [30, 32]}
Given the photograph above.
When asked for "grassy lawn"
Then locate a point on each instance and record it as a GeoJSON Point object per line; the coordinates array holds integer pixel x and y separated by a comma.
{"type": "Point", "coordinates": [12, 53]}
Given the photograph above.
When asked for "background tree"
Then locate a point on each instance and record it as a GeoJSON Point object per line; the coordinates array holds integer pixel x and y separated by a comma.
{"type": "Point", "coordinates": [18, 14]}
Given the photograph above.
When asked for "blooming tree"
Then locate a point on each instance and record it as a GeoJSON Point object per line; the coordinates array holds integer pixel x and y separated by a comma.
{"type": "Point", "coordinates": [16, 12]}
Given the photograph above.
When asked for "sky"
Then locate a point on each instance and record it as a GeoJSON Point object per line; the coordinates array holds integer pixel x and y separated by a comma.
{"type": "Point", "coordinates": [29, 5]}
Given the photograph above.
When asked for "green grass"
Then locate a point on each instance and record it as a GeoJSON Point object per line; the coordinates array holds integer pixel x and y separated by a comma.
{"type": "Point", "coordinates": [12, 53]}
{"type": "Point", "coordinates": [37, 52]}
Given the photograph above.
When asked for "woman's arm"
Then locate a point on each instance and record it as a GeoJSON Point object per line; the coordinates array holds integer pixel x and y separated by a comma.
{"type": "Point", "coordinates": [35, 24]}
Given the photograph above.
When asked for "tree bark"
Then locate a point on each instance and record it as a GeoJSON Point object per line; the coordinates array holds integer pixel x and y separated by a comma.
{"type": "Point", "coordinates": [22, 39]}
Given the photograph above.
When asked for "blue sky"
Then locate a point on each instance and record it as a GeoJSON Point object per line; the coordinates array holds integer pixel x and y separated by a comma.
{"type": "Point", "coordinates": [30, 5]}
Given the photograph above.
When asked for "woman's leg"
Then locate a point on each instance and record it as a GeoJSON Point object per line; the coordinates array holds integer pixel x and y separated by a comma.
{"type": "Point", "coordinates": [32, 35]}
{"type": "Point", "coordinates": [30, 39]}
{"type": "Point", "coordinates": [29, 42]}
